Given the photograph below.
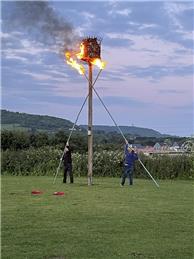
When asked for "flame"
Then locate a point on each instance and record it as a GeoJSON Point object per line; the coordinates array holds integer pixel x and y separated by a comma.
{"type": "Point", "coordinates": [72, 56]}
{"type": "Point", "coordinates": [98, 63]}
{"type": "Point", "coordinates": [81, 53]}
{"type": "Point", "coordinates": [72, 62]}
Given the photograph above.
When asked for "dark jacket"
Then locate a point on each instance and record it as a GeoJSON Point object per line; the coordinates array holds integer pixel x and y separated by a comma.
{"type": "Point", "coordinates": [130, 157]}
{"type": "Point", "coordinates": [67, 157]}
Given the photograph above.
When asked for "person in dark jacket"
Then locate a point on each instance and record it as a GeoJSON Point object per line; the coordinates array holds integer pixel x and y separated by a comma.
{"type": "Point", "coordinates": [67, 161]}
{"type": "Point", "coordinates": [129, 160]}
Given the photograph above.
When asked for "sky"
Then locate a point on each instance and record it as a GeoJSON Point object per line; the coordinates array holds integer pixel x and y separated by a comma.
{"type": "Point", "coordinates": [147, 46]}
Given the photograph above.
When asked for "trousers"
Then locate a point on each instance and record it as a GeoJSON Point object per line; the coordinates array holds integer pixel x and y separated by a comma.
{"type": "Point", "coordinates": [68, 170]}
{"type": "Point", "coordinates": [127, 173]}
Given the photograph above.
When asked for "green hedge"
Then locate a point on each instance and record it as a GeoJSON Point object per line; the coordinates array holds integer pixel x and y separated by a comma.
{"type": "Point", "coordinates": [45, 160]}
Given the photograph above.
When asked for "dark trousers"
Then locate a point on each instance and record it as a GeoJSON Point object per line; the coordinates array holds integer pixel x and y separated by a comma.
{"type": "Point", "coordinates": [127, 173]}
{"type": "Point", "coordinates": [68, 170]}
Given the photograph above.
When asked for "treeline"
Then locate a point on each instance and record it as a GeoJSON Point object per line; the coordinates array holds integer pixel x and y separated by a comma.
{"type": "Point", "coordinates": [45, 160]}
{"type": "Point", "coordinates": [18, 140]}
{"type": "Point", "coordinates": [21, 140]}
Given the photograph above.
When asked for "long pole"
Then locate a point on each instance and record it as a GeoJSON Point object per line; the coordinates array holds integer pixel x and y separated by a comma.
{"type": "Point", "coordinates": [149, 173]}
{"type": "Point", "coordinates": [124, 136]}
{"type": "Point", "coordinates": [69, 139]}
{"type": "Point", "coordinates": [90, 133]}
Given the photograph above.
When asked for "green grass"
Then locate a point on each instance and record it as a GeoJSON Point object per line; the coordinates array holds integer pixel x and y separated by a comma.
{"type": "Point", "coordinates": [99, 221]}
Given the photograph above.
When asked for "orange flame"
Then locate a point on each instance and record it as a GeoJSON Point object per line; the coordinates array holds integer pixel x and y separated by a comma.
{"type": "Point", "coordinates": [72, 56]}
{"type": "Point", "coordinates": [72, 62]}
{"type": "Point", "coordinates": [98, 63]}
{"type": "Point", "coordinates": [80, 55]}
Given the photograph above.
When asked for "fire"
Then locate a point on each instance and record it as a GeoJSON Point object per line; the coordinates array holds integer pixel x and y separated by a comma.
{"type": "Point", "coordinates": [85, 54]}
{"type": "Point", "coordinates": [80, 55]}
{"type": "Point", "coordinates": [98, 63]}
{"type": "Point", "coordinates": [72, 62]}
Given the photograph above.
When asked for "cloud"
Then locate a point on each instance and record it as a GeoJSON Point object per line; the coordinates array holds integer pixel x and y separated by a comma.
{"type": "Point", "coordinates": [124, 101]}
{"type": "Point", "coordinates": [174, 10]}
{"type": "Point", "coordinates": [146, 51]}
{"type": "Point", "coordinates": [157, 72]}
{"type": "Point", "coordinates": [122, 12]}
{"type": "Point", "coordinates": [171, 91]}
{"type": "Point", "coordinates": [16, 46]}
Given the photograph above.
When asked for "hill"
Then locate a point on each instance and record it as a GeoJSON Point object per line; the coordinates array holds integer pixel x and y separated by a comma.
{"type": "Point", "coordinates": [131, 130]}
{"type": "Point", "coordinates": [30, 122]}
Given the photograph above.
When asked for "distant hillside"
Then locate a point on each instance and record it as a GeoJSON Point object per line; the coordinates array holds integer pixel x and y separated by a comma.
{"type": "Point", "coordinates": [132, 130]}
{"type": "Point", "coordinates": [24, 121]}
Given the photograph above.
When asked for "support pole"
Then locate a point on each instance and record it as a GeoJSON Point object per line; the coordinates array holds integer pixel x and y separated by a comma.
{"type": "Point", "coordinates": [149, 173]}
{"type": "Point", "coordinates": [90, 133]}
{"type": "Point", "coordinates": [124, 136]}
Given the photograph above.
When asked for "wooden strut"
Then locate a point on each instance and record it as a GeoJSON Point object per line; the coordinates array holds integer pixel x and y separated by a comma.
{"type": "Point", "coordinates": [90, 130]}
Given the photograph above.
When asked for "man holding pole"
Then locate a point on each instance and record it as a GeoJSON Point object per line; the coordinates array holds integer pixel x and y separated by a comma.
{"type": "Point", "coordinates": [130, 157]}
{"type": "Point", "coordinates": [67, 160]}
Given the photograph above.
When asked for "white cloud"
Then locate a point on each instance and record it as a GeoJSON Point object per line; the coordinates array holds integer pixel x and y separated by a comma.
{"type": "Point", "coordinates": [143, 90]}
{"type": "Point", "coordinates": [87, 24]}
{"type": "Point", "coordinates": [88, 15]}
{"type": "Point", "coordinates": [12, 55]}
{"type": "Point", "coordinates": [146, 51]}
{"type": "Point", "coordinates": [28, 52]}
{"type": "Point", "coordinates": [177, 8]}
{"type": "Point", "coordinates": [114, 11]}
{"type": "Point", "coordinates": [146, 25]}
{"type": "Point", "coordinates": [123, 12]}
{"type": "Point", "coordinates": [38, 76]}
{"type": "Point", "coordinates": [13, 35]}
{"type": "Point", "coordinates": [5, 35]}
{"type": "Point", "coordinates": [186, 35]}
{"type": "Point", "coordinates": [173, 9]}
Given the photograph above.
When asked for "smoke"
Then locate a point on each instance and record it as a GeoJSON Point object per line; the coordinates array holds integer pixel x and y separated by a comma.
{"type": "Point", "coordinates": [41, 22]}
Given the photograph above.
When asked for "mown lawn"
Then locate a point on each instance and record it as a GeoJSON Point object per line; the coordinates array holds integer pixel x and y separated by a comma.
{"type": "Point", "coordinates": [100, 221]}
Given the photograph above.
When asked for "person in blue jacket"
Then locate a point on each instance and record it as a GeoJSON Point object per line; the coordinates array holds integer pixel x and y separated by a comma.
{"type": "Point", "coordinates": [130, 157]}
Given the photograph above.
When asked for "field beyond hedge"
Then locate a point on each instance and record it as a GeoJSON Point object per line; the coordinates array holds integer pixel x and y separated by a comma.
{"type": "Point", "coordinates": [99, 221]}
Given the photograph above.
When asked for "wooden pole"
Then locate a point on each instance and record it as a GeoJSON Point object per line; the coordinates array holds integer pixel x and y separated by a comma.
{"type": "Point", "coordinates": [90, 134]}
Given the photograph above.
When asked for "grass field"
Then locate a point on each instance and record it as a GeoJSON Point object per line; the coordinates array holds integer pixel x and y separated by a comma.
{"type": "Point", "coordinates": [100, 221]}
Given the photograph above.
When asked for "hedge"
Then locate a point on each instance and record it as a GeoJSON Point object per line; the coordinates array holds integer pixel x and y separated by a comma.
{"type": "Point", "coordinates": [45, 160]}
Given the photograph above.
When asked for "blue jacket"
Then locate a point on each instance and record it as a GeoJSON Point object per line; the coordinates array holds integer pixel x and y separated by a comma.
{"type": "Point", "coordinates": [129, 158]}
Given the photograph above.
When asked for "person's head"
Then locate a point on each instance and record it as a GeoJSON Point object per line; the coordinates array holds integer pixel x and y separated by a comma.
{"type": "Point", "coordinates": [129, 148]}
{"type": "Point", "coordinates": [66, 148]}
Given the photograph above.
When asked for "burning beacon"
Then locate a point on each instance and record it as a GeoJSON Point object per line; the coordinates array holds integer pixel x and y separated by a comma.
{"type": "Point", "coordinates": [90, 53]}
{"type": "Point", "coordinates": [91, 48]}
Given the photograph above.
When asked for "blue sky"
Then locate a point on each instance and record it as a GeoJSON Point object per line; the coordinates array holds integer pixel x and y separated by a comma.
{"type": "Point", "coordinates": [148, 79]}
